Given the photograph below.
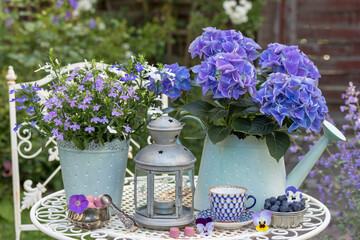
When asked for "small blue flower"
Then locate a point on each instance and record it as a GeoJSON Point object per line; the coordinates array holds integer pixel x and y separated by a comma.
{"type": "Point", "coordinates": [92, 23]}
{"type": "Point", "coordinates": [139, 67]}
{"type": "Point", "coordinates": [17, 126]}
{"type": "Point", "coordinates": [89, 129]}
{"type": "Point", "coordinates": [129, 77]}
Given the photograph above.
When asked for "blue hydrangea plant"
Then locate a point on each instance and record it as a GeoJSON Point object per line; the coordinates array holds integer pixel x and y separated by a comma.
{"type": "Point", "coordinates": [271, 101]}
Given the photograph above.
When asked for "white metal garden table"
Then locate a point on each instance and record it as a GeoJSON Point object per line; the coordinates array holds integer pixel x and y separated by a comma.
{"type": "Point", "coordinates": [49, 216]}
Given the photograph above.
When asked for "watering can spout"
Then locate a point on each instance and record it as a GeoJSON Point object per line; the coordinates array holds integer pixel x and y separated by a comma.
{"type": "Point", "coordinates": [302, 169]}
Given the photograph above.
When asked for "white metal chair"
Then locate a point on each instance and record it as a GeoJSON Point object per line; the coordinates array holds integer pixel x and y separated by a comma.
{"type": "Point", "coordinates": [21, 145]}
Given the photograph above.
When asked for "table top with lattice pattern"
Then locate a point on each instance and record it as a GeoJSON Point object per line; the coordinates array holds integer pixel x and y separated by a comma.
{"type": "Point", "coordinates": [49, 216]}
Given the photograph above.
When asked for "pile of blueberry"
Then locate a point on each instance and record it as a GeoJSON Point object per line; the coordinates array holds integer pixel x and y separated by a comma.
{"type": "Point", "coordinates": [280, 204]}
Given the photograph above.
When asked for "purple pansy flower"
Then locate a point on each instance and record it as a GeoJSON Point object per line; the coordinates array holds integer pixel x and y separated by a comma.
{"type": "Point", "coordinates": [262, 220]}
{"type": "Point", "coordinates": [78, 203]}
{"type": "Point", "coordinates": [205, 226]}
{"type": "Point", "coordinates": [295, 97]}
{"type": "Point", "coordinates": [293, 195]}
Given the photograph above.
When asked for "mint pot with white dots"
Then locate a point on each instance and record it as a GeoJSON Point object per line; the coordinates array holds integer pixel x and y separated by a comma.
{"type": "Point", "coordinates": [247, 163]}
{"type": "Point", "coordinates": [95, 170]}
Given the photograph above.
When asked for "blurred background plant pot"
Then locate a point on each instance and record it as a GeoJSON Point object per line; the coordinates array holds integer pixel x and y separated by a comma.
{"type": "Point", "coordinates": [95, 170]}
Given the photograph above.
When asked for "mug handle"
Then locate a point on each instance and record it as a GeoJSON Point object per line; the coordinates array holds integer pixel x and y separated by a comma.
{"type": "Point", "coordinates": [251, 196]}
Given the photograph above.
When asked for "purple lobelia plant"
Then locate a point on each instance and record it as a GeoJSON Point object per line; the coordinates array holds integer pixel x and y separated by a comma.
{"type": "Point", "coordinates": [338, 169]}
{"type": "Point", "coordinates": [269, 103]}
{"type": "Point", "coordinates": [99, 104]}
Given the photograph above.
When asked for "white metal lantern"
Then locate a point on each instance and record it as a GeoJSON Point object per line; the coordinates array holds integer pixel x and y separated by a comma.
{"type": "Point", "coordinates": [164, 178]}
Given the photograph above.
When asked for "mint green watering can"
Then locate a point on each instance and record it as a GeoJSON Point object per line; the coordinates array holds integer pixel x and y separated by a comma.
{"type": "Point", "coordinates": [247, 163]}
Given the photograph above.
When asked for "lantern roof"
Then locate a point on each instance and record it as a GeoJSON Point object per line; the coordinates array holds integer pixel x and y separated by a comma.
{"type": "Point", "coordinates": [165, 152]}
{"type": "Point", "coordinates": [165, 123]}
{"type": "Point", "coordinates": [173, 155]}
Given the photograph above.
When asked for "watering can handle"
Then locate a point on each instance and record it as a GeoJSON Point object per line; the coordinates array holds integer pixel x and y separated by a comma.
{"type": "Point", "coordinates": [196, 119]}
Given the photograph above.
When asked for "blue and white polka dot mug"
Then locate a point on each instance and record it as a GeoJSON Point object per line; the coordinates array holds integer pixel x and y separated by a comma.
{"type": "Point", "coordinates": [228, 202]}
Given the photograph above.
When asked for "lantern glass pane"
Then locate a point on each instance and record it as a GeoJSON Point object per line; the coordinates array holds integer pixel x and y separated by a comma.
{"type": "Point", "coordinates": [164, 195]}
{"type": "Point", "coordinates": [141, 191]}
{"type": "Point", "coordinates": [188, 189]}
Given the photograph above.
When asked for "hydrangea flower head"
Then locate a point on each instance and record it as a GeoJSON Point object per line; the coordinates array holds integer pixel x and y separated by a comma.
{"type": "Point", "coordinates": [214, 41]}
{"type": "Point", "coordinates": [228, 75]}
{"type": "Point", "coordinates": [78, 203]}
{"type": "Point", "coordinates": [288, 59]}
{"type": "Point", "coordinates": [295, 97]}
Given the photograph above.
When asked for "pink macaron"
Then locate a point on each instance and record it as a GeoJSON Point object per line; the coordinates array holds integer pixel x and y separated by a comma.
{"type": "Point", "coordinates": [90, 198]}
{"type": "Point", "coordinates": [91, 205]}
{"type": "Point", "coordinates": [98, 202]}
{"type": "Point", "coordinates": [174, 232]}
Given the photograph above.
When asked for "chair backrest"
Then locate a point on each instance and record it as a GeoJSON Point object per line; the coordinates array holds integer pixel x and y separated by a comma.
{"type": "Point", "coordinates": [21, 146]}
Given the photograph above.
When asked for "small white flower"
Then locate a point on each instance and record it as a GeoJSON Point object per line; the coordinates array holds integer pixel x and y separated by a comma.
{"type": "Point", "coordinates": [111, 129]}
{"type": "Point", "coordinates": [102, 26]}
{"type": "Point", "coordinates": [237, 12]}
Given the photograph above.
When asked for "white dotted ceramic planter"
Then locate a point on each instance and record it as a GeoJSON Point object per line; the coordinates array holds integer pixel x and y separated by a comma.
{"type": "Point", "coordinates": [97, 170]}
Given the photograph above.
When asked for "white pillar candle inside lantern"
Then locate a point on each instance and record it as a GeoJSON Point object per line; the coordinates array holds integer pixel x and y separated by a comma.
{"type": "Point", "coordinates": [164, 178]}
